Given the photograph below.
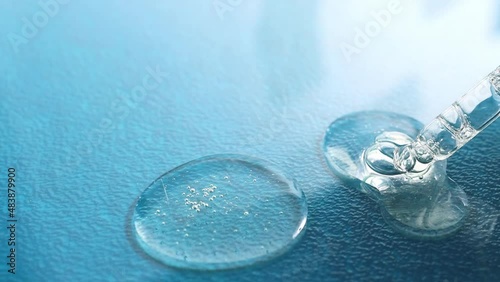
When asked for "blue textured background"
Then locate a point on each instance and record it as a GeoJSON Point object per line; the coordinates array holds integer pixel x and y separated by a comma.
{"type": "Point", "coordinates": [263, 78]}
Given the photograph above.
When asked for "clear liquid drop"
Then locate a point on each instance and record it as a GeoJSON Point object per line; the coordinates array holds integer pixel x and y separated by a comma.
{"type": "Point", "coordinates": [219, 240]}
{"type": "Point", "coordinates": [361, 149]}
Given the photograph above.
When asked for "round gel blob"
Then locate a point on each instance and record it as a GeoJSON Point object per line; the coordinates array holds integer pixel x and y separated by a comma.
{"type": "Point", "coordinates": [219, 212]}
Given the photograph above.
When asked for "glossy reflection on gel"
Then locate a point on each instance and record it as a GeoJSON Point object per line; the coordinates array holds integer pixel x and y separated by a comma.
{"type": "Point", "coordinates": [219, 212]}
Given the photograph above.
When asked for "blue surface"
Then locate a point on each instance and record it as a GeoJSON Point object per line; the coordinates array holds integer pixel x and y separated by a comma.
{"type": "Point", "coordinates": [264, 78]}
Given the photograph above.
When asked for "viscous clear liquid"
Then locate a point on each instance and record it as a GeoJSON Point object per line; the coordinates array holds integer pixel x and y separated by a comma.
{"type": "Point", "coordinates": [423, 203]}
{"type": "Point", "coordinates": [219, 212]}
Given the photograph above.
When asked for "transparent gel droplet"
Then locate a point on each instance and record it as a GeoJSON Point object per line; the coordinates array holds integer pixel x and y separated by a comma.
{"type": "Point", "coordinates": [218, 217]}
{"type": "Point", "coordinates": [361, 148]}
